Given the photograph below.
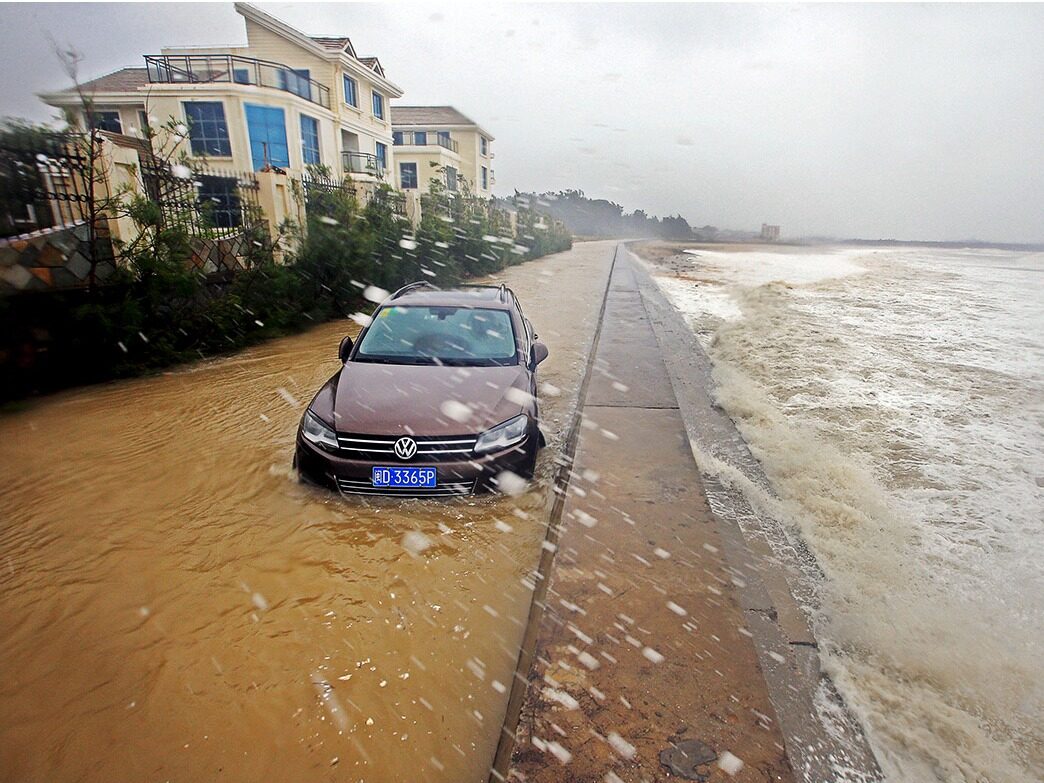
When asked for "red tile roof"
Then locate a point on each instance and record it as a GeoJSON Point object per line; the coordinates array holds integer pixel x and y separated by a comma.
{"type": "Point", "coordinates": [123, 80]}
{"type": "Point", "coordinates": [372, 63]}
{"type": "Point", "coordinates": [338, 44]}
{"type": "Point", "coordinates": [428, 115]}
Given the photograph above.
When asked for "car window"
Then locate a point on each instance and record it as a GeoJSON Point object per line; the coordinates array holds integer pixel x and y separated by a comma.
{"type": "Point", "coordinates": [525, 323]}
{"type": "Point", "coordinates": [408, 334]}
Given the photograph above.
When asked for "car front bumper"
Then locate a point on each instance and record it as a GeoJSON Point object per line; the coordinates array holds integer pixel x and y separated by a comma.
{"type": "Point", "coordinates": [453, 477]}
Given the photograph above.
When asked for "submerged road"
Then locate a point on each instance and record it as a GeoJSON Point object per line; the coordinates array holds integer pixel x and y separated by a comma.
{"type": "Point", "coordinates": [175, 606]}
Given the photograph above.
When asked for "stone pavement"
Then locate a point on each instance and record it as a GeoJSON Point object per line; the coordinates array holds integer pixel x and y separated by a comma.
{"type": "Point", "coordinates": [643, 646]}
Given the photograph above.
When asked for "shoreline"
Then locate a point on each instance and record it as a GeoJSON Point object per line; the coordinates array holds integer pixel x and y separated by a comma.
{"type": "Point", "coordinates": [802, 692]}
{"type": "Point", "coordinates": [748, 603]}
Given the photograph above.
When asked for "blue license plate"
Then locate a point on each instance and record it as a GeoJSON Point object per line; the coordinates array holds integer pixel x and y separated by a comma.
{"type": "Point", "coordinates": [404, 477]}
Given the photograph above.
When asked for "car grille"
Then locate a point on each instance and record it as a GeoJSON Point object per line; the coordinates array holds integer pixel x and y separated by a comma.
{"type": "Point", "coordinates": [429, 449]}
{"type": "Point", "coordinates": [360, 487]}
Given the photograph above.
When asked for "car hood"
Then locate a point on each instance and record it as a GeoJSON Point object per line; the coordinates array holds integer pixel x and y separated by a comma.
{"type": "Point", "coordinates": [385, 399]}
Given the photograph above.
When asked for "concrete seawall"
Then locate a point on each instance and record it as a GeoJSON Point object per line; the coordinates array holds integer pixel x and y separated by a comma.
{"type": "Point", "coordinates": [666, 643]}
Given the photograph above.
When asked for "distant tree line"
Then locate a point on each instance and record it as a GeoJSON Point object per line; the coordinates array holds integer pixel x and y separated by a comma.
{"type": "Point", "coordinates": [602, 218]}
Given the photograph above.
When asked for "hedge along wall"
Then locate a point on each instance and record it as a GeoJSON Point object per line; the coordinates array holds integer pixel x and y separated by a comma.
{"type": "Point", "coordinates": [179, 298]}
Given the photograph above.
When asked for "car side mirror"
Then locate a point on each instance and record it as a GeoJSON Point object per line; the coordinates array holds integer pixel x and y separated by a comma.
{"type": "Point", "coordinates": [345, 350]}
{"type": "Point", "coordinates": [540, 352]}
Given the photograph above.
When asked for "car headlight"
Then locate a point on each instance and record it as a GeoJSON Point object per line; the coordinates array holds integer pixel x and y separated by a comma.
{"type": "Point", "coordinates": [503, 435]}
{"type": "Point", "coordinates": [315, 431]}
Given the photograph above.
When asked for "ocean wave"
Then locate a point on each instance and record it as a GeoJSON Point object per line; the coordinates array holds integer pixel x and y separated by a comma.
{"type": "Point", "coordinates": [895, 408]}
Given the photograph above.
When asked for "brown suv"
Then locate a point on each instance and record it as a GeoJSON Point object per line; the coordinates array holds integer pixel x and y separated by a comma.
{"type": "Point", "coordinates": [437, 397]}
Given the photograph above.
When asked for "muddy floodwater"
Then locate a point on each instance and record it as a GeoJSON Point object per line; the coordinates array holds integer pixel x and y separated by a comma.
{"type": "Point", "coordinates": [174, 605]}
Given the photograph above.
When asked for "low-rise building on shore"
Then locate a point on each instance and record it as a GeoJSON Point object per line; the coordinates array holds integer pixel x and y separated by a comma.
{"type": "Point", "coordinates": [441, 142]}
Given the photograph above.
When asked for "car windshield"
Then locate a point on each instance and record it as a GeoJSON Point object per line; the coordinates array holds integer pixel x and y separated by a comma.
{"type": "Point", "coordinates": [461, 336]}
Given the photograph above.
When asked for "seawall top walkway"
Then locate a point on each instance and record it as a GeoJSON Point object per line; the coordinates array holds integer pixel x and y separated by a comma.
{"type": "Point", "coordinates": [659, 652]}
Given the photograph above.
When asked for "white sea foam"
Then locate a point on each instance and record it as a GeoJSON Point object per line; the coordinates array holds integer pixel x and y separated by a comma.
{"type": "Point", "coordinates": [895, 400]}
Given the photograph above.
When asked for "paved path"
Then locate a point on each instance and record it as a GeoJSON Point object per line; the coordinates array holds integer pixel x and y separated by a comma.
{"type": "Point", "coordinates": [643, 642]}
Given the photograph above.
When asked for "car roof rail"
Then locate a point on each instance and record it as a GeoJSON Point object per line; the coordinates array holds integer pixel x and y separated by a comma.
{"type": "Point", "coordinates": [504, 293]}
{"type": "Point", "coordinates": [410, 286]}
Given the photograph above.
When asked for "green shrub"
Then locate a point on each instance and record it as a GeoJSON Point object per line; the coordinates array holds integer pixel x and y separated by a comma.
{"type": "Point", "coordinates": [159, 310]}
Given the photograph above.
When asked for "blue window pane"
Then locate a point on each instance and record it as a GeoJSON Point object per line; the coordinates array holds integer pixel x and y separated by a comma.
{"type": "Point", "coordinates": [408, 175]}
{"type": "Point", "coordinates": [296, 82]}
{"type": "Point", "coordinates": [382, 155]}
{"type": "Point", "coordinates": [310, 140]}
{"type": "Point", "coordinates": [267, 129]}
{"type": "Point", "coordinates": [208, 131]}
{"type": "Point", "coordinates": [397, 138]}
{"type": "Point", "coordinates": [241, 75]}
{"type": "Point", "coordinates": [378, 106]}
{"type": "Point", "coordinates": [420, 137]}
{"type": "Point", "coordinates": [350, 92]}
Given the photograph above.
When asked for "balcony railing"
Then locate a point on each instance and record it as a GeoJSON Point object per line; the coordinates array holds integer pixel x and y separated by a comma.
{"type": "Point", "coordinates": [362, 163]}
{"type": "Point", "coordinates": [424, 138]}
{"type": "Point", "coordinates": [207, 68]}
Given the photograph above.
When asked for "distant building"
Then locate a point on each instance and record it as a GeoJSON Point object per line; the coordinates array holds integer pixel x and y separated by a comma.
{"type": "Point", "coordinates": [769, 233]}
{"type": "Point", "coordinates": [439, 141]}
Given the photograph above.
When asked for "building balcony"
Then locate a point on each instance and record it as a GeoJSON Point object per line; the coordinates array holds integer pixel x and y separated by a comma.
{"type": "Point", "coordinates": [233, 69]}
{"type": "Point", "coordinates": [423, 139]}
{"type": "Point", "coordinates": [361, 163]}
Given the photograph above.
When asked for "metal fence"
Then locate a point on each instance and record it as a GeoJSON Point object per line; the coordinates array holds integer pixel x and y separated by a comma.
{"type": "Point", "coordinates": [207, 203]}
{"type": "Point", "coordinates": [319, 190]}
{"type": "Point", "coordinates": [44, 183]}
{"type": "Point", "coordinates": [394, 199]}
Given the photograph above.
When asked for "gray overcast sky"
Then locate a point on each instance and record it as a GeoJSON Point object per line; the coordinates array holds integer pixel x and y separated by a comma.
{"type": "Point", "coordinates": [872, 121]}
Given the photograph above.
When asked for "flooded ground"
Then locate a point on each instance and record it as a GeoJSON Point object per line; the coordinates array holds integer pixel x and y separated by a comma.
{"type": "Point", "coordinates": [175, 606]}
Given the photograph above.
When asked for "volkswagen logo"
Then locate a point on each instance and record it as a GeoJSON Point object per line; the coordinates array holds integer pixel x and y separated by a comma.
{"type": "Point", "coordinates": [405, 448]}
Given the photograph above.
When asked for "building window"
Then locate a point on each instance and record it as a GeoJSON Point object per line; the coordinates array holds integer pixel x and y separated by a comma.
{"type": "Point", "coordinates": [219, 201]}
{"type": "Point", "coordinates": [267, 129]}
{"type": "Point", "coordinates": [444, 139]}
{"type": "Point", "coordinates": [208, 131]}
{"type": "Point", "coordinates": [143, 121]}
{"type": "Point", "coordinates": [451, 178]}
{"type": "Point", "coordinates": [382, 156]}
{"type": "Point", "coordinates": [485, 178]}
{"type": "Point", "coordinates": [296, 81]}
{"type": "Point", "coordinates": [310, 140]}
{"type": "Point", "coordinates": [408, 176]}
{"type": "Point", "coordinates": [484, 145]}
{"type": "Point", "coordinates": [420, 137]}
{"type": "Point", "coordinates": [397, 138]}
{"type": "Point", "coordinates": [378, 106]}
{"type": "Point", "coordinates": [241, 75]}
{"type": "Point", "coordinates": [108, 121]}
{"type": "Point", "coordinates": [351, 91]}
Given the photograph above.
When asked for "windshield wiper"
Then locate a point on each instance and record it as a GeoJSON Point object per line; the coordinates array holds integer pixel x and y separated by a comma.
{"type": "Point", "coordinates": [412, 360]}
